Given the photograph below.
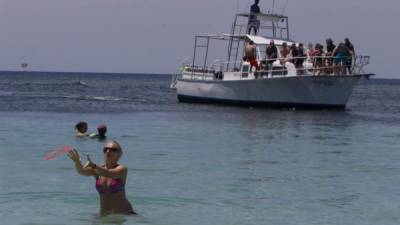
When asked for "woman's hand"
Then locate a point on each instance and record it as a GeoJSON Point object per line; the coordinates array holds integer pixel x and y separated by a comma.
{"type": "Point", "coordinates": [89, 163]}
{"type": "Point", "coordinates": [74, 156]}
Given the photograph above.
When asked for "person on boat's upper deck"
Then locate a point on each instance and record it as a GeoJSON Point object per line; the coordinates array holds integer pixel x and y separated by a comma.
{"type": "Point", "coordinates": [254, 23]}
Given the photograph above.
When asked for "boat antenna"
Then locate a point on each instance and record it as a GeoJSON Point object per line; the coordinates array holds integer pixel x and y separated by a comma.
{"type": "Point", "coordinates": [284, 7]}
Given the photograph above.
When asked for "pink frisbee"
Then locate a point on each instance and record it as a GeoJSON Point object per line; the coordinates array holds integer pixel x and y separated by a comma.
{"type": "Point", "coordinates": [54, 154]}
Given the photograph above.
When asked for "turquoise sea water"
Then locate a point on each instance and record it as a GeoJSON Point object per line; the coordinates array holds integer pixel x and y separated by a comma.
{"type": "Point", "coordinates": [198, 164]}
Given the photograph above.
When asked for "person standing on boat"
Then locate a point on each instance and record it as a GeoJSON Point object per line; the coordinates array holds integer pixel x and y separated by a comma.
{"type": "Point", "coordinates": [353, 53]}
{"type": "Point", "coordinates": [341, 55]}
{"type": "Point", "coordinates": [300, 60]}
{"type": "Point", "coordinates": [310, 53]}
{"type": "Point", "coordinates": [254, 23]}
{"type": "Point", "coordinates": [251, 54]}
{"type": "Point", "coordinates": [294, 52]}
{"type": "Point", "coordinates": [318, 58]}
{"type": "Point", "coordinates": [285, 53]}
{"type": "Point", "coordinates": [330, 47]}
{"type": "Point", "coordinates": [272, 54]}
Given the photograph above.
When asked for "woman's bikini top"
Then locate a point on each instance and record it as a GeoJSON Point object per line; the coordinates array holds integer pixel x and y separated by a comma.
{"type": "Point", "coordinates": [116, 185]}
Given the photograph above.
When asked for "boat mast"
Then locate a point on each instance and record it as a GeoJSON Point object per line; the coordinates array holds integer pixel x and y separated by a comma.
{"type": "Point", "coordinates": [284, 8]}
{"type": "Point", "coordinates": [273, 6]}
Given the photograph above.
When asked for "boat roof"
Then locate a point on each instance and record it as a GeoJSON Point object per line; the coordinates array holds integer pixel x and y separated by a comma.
{"type": "Point", "coordinates": [258, 40]}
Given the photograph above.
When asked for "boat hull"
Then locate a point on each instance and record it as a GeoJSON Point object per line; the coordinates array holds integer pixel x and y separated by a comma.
{"type": "Point", "coordinates": [306, 92]}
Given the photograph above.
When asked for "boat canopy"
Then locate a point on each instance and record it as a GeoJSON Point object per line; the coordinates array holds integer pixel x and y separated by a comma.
{"type": "Point", "coordinates": [258, 40]}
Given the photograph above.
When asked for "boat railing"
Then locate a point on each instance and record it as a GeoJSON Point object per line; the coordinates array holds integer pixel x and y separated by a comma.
{"type": "Point", "coordinates": [174, 79]}
{"type": "Point", "coordinates": [314, 66]}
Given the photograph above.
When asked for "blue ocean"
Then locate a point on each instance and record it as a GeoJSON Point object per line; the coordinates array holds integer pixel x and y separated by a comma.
{"type": "Point", "coordinates": [197, 164]}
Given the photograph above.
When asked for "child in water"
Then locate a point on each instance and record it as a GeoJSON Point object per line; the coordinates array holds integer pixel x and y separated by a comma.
{"type": "Point", "coordinates": [81, 129]}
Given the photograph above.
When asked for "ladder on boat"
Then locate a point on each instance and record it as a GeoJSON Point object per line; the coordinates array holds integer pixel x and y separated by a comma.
{"type": "Point", "coordinates": [234, 42]}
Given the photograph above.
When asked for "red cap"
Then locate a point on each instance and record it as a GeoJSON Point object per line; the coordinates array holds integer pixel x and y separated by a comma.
{"type": "Point", "coordinates": [102, 127]}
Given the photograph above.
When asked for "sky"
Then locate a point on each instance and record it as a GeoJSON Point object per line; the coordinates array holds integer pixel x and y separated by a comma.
{"type": "Point", "coordinates": [154, 36]}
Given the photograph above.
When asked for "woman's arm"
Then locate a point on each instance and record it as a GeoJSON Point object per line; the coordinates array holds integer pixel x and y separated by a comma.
{"type": "Point", "coordinates": [118, 172]}
{"type": "Point", "coordinates": [84, 171]}
{"type": "Point", "coordinates": [334, 51]}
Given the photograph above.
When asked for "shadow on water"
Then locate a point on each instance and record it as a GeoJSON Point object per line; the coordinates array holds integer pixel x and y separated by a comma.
{"type": "Point", "coordinates": [116, 219]}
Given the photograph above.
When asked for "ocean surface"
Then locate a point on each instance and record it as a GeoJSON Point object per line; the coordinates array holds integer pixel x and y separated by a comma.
{"type": "Point", "coordinates": [193, 164]}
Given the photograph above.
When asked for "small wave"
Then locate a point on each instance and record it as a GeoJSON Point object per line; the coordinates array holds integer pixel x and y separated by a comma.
{"type": "Point", "coordinates": [340, 201]}
{"type": "Point", "coordinates": [81, 83]}
{"type": "Point", "coordinates": [95, 98]}
{"type": "Point", "coordinates": [32, 196]}
{"type": "Point", "coordinates": [330, 152]}
{"type": "Point", "coordinates": [47, 84]}
{"type": "Point", "coordinates": [76, 97]}
{"type": "Point", "coordinates": [107, 98]}
{"type": "Point", "coordinates": [6, 93]}
{"type": "Point", "coordinates": [128, 136]}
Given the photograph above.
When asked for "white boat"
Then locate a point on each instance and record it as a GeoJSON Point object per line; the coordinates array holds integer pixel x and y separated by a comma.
{"type": "Point", "coordinates": [282, 85]}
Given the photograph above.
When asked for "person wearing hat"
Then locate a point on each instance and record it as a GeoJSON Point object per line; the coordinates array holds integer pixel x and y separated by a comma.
{"type": "Point", "coordinates": [101, 132]}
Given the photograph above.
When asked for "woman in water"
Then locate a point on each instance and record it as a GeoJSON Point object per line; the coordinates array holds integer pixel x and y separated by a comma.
{"type": "Point", "coordinates": [110, 179]}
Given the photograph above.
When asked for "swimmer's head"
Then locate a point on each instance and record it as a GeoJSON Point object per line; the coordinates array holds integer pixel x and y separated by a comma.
{"type": "Point", "coordinates": [82, 127]}
{"type": "Point", "coordinates": [102, 129]}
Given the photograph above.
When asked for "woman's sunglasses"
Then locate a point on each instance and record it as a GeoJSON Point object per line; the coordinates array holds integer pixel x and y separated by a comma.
{"type": "Point", "coordinates": [110, 149]}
